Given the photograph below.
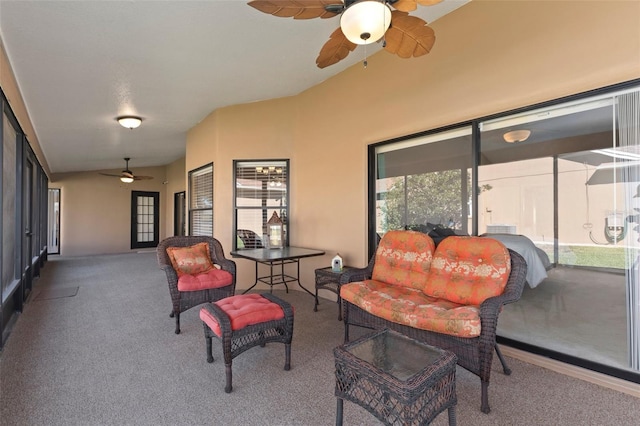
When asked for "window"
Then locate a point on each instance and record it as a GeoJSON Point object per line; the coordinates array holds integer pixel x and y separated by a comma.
{"type": "Point", "coordinates": [422, 182]}
{"type": "Point", "coordinates": [201, 201]}
{"type": "Point", "coordinates": [261, 189]}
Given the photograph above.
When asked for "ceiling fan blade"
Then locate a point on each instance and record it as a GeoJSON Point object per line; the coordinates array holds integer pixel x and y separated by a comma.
{"type": "Point", "coordinates": [408, 36]}
{"type": "Point", "coordinates": [142, 177]}
{"type": "Point", "coordinates": [334, 50]}
{"type": "Point", "coordinates": [109, 174]}
{"type": "Point", "coordinates": [300, 9]}
{"type": "Point", "coordinates": [411, 5]}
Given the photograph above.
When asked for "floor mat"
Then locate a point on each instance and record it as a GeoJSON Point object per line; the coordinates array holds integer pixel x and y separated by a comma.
{"type": "Point", "coordinates": [56, 293]}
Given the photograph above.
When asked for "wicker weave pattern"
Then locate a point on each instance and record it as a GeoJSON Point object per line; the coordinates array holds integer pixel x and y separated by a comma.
{"type": "Point", "coordinates": [184, 300]}
{"type": "Point", "coordinates": [326, 279]}
{"type": "Point", "coordinates": [416, 401]}
{"type": "Point", "coordinates": [235, 342]}
{"type": "Point", "coordinates": [474, 354]}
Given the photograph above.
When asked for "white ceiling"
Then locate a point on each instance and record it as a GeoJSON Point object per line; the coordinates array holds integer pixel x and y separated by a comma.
{"type": "Point", "coordinates": [80, 64]}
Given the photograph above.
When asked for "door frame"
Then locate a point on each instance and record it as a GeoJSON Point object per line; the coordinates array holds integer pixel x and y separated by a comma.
{"type": "Point", "coordinates": [180, 205]}
{"type": "Point", "coordinates": [135, 244]}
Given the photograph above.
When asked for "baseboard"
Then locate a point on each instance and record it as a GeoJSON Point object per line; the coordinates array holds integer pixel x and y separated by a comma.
{"type": "Point", "coordinates": [600, 379]}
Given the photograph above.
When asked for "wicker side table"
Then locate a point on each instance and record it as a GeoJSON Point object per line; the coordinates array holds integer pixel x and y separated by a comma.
{"type": "Point", "coordinates": [327, 279]}
{"type": "Point", "coordinates": [397, 379]}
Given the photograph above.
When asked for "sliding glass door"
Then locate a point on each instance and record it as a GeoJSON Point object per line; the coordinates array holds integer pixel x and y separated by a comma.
{"type": "Point", "coordinates": [554, 190]}
{"type": "Point", "coordinates": [560, 184]}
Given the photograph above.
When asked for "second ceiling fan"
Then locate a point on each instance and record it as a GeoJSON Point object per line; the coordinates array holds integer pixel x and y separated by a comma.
{"type": "Point", "coordinates": [127, 175]}
{"type": "Point", "coordinates": [362, 22]}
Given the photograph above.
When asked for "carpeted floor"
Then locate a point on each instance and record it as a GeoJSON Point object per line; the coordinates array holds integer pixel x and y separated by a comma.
{"type": "Point", "coordinates": [109, 356]}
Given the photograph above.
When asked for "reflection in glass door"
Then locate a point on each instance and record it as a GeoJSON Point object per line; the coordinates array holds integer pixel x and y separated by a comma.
{"type": "Point", "coordinates": [556, 199]}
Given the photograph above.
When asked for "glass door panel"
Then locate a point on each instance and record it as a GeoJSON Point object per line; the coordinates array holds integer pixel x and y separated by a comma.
{"type": "Point", "coordinates": [424, 183]}
{"type": "Point", "coordinates": [548, 190]}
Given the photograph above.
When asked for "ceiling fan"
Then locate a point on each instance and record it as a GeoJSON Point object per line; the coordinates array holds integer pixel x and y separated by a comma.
{"type": "Point", "coordinates": [127, 175]}
{"type": "Point", "coordinates": [361, 22]}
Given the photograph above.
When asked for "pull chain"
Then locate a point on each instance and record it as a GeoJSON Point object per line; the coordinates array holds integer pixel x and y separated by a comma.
{"type": "Point", "coordinates": [365, 57]}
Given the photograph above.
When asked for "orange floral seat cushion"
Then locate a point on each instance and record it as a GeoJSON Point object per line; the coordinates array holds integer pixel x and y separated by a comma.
{"type": "Point", "coordinates": [191, 260]}
{"type": "Point", "coordinates": [411, 307]}
{"type": "Point", "coordinates": [403, 258]}
{"type": "Point", "coordinates": [468, 270]}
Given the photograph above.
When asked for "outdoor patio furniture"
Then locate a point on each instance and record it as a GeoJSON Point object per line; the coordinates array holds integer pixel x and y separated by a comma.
{"type": "Point", "coordinates": [244, 321]}
{"type": "Point", "coordinates": [449, 297]}
{"type": "Point", "coordinates": [197, 272]}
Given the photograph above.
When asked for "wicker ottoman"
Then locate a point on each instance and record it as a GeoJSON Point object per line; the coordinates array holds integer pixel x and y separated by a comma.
{"type": "Point", "coordinates": [244, 321]}
{"type": "Point", "coordinates": [397, 379]}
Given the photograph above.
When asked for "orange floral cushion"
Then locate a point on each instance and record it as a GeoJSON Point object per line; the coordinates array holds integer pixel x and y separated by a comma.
{"type": "Point", "coordinates": [413, 308]}
{"type": "Point", "coordinates": [468, 270]}
{"type": "Point", "coordinates": [403, 258]}
{"type": "Point", "coordinates": [214, 278]}
{"type": "Point", "coordinates": [190, 260]}
{"type": "Point", "coordinates": [243, 310]}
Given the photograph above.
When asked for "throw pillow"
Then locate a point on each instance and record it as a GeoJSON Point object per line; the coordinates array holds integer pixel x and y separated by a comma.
{"type": "Point", "coordinates": [191, 260]}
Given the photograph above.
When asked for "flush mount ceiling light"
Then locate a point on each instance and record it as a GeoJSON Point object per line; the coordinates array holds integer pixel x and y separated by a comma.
{"type": "Point", "coordinates": [365, 21]}
{"type": "Point", "coordinates": [129, 121]}
{"type": "Point", "coordinates": [516, 136]}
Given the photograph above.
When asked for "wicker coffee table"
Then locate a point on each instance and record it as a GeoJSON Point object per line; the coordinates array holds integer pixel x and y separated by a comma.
{"type": "Point", "coordinates": [397, 379]}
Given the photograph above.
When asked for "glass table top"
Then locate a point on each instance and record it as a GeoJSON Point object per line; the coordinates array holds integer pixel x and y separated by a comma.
{"type": "Point", "coordinates": [395, 354]}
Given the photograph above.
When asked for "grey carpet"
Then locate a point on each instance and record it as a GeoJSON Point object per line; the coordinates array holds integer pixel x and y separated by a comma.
{"type": "Point", "coordinates": [108, 356]}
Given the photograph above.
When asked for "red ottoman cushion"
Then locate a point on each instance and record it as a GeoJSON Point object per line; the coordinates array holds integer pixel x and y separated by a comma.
{"type": "Point", "coordinates": [243, 310]}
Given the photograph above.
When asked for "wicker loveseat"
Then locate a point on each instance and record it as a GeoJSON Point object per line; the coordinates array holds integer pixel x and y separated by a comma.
{"type": "Point", "coordinates": [449, 296]}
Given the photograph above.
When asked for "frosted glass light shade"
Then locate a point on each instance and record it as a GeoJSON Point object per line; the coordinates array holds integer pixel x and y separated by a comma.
{"type": "Point", "coordinates": [365, 21]}
{"type": "Point", "coordinates": [126, 179]}
{"type": "Point", "coordinates": [517, 136]}
{"type": "Point", "coordinates": [130, 122]}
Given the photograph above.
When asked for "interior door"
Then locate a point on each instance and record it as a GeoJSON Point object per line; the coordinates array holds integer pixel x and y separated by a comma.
{"type": "Point", "coordinates": [180, 213]}
{"type": "Point", "coordinates": [145, 219]}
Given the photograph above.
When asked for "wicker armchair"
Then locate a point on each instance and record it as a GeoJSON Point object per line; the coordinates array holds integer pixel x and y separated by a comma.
{"type": "Point", "coordinates": [184, 300]}
{"type": "Point", "coordinates": [474, 353]}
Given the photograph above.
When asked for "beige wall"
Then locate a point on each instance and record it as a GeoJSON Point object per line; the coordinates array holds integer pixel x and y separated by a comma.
{"type": "Point", "coordinates": [489, 57]}
{"type": "Point", "coordinates": [175, 182]}
{"type": "Point", "coordinates": [95, 210]}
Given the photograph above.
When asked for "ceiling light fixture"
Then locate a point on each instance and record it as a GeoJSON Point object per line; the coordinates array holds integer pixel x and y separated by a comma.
{"type": "Point", "coordinates": [365, 21]}
{"type": "Point", "coordinates": [516, 136]}
{"type": "Point", "coordinates": [126, 179]}
{"type": "Point", "coordinates": [129, 121]}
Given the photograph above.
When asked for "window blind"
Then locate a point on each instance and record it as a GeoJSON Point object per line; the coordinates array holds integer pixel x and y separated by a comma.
{"type": "Point", "coordinates": [201, 201]}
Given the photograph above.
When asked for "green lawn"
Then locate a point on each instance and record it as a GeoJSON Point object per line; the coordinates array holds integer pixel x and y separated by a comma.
{"type": "Point", "coordinates": [594, 256]}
